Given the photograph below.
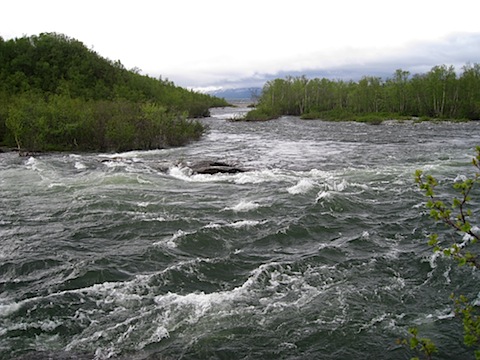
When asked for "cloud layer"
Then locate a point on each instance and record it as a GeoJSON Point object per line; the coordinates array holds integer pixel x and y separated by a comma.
{"type": "Point", "coordinates": [351, 64]}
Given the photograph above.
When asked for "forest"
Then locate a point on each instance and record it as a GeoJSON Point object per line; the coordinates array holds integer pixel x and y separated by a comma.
{"type": "Point", "coordinates": [57, 94]}
{"type": "Point", "coordinates": [440, 93]}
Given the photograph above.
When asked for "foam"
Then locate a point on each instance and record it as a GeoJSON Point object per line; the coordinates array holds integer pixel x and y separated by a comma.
{"type": "Point", "coordinates": [172, 242]}
{"type": "Point", "coordinates": [244, 206]}
{"type": "Point", "coordinates": [262, 176]}
{"type": "Point", "coordinates": [31, 161]}
{"type": "Point", "coordinates": [302, 187]}
{"type": "Point", "coordinates": [244, 223]}
{"type": "Point", "coordinates": [338, 187]}
{"type": "Point", "coordinates": [8, 309]}
{"type": "Point", "coordinates": [323, 195]}
{"type": "Point", "coordinates": [79, 165]}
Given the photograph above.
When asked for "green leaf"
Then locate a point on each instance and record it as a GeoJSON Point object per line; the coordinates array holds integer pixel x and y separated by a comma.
{"type": "Point", "coordinates": [433, 239]}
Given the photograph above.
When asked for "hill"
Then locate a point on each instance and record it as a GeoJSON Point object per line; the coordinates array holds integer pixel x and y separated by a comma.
{"type": "Point", "coordinates": [55, 93]}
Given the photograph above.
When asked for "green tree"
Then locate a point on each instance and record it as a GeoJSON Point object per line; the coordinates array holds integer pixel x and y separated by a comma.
{"type": "Point", "coordinates": [397, 92]}
{"type": "Point", "coordinates": [470, 91]}
{"type": "Point", "coordinates": [22, 120]}
{"type": "Point", "coordinates": [60, 95]}
{"type": "Point", "coordinates": [438, 93]}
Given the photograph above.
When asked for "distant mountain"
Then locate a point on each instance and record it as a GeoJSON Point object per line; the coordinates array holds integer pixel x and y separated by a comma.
{"type": "Point", "coordinates": [237, 94]}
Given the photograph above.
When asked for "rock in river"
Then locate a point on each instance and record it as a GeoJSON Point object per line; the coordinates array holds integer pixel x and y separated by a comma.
{"type": "Point", "coordinates": [215, 167]}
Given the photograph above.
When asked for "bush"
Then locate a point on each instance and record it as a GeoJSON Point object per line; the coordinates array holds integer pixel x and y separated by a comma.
{"type": "Point", "coordinates": [260, 114]}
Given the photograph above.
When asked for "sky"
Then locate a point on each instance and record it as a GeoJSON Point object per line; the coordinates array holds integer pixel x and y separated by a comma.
{"type": "Point", "coordinates": [207, 44]}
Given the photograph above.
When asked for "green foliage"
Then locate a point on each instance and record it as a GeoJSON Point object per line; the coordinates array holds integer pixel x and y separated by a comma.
{"type": "Point", "coordinates": [470, 315]}
{"type": "Point", "coordinates": [422, 345]}
{"type": "Point", "coordinates": [260, 114]}
{"type": "Point", "coordinates": [56, 94]}
{"type": "Point", "coordinates": [455, 215]}
{"type": "Point", "coordinates": [438, 94]}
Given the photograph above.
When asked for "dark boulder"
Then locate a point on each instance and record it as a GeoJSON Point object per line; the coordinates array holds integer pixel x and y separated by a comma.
{"type": "Point", "coordinates": [215, 167]}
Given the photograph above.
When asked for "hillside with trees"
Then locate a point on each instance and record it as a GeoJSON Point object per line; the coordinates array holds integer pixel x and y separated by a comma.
{"type": "Point", "coordinates": [439, 94]}
{"type": "Point", "coordinates": [56, 94]}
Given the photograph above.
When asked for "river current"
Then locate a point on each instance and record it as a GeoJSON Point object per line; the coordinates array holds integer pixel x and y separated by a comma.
{"type": "Point", "coordinates": [317, 251]}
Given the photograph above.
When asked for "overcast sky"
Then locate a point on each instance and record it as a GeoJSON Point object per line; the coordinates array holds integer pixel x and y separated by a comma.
{"type": "Point", "coordinates": [205, 43]}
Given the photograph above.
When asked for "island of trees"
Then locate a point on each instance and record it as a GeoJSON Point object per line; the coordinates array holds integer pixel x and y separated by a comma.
{"type": "Point", "coordinates": [440, 93]}
{"type": "Point", "coordinates": [56, 94]}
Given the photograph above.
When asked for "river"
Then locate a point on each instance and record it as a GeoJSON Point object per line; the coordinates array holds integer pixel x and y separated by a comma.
{"type": "Point", "coordinates": [317, 251]}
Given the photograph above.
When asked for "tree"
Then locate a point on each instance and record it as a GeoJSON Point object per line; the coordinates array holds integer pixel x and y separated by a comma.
{"type": "Point", "coordinates": [397, 92]}
{"type": "Point", "coordinates": [438, 93]}
{"type": "Point", "coordinates": [60, 95]}
{"type": "Point", "coordinates": [470, 91]}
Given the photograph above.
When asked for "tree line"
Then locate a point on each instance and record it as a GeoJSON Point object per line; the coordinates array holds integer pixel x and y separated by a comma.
{"type": "Point", "coordinates": [440, 93]}
{"type": "Point", "coordinates": [56, 94]}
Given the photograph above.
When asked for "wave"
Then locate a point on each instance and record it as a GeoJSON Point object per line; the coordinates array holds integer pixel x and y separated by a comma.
{"type": "Point", "coordinates": [302, 187]}
{"type": "Point", "coordinates": [236, 224]}
{"type": "Point", "coordinates": [172, 242]}
{"type": "Point", "coordinates": [244, 206]}
{"type": "Point", "coordinates": [80, 166]}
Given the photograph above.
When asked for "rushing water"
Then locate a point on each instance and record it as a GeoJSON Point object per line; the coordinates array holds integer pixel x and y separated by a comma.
{"type": "Point", "coordinates": [318, 251]}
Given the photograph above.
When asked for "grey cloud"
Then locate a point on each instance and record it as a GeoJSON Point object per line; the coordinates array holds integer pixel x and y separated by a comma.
{"type": "Point", "coordinates": [457, 50]}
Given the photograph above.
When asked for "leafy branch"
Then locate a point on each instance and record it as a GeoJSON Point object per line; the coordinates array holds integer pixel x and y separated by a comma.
{"type": "Point", "coordinates": [424, 346]}
{"type": "Point", "coordinates": [455, 216]}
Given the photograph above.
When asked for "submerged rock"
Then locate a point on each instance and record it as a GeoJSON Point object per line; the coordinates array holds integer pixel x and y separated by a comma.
{"type": "Point", "coordinates": [215, 167]}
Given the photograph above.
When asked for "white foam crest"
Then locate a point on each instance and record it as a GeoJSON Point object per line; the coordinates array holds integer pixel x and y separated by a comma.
{"type": "Point", "coordinates": [158, 218]}
{"type": "Point", "coordinates": [198, 303]}
{"type": "Point", "coordinates": [33, 164]}
{"type": "Point", "coordinates": [143, 181]}
{"type": "Point", "coordinates": [332, 187]}
{"type": "Point", "coordinates": [302, 187]}
{"type": "Point", "coordinates": [338, 187]}
{"type": "Point", "coordinates": [133, 155]}
{"type": "Point", "coordinates": [460, 178]}
{"type": "Point", "coordinates": [248, 177]}
{"type": "Point", "coordinates": [374, 321]}
{"type": "Point", "coordinates": [362, 186]}
{"type": "Point", "coordinates": [261, 176]}
{"type": "Point", "coordinates": [181, 173]}
{"type": "Point", "coordinates": [212, 226]}
{"type": "Point", "coordinates": [365, 235]}
{"type": "Point", "coordinates": [245, 223]}
{"type": "Point", "coordinates": [31, 161]}
{"type": "Point", "coordinates": [323, 195]}
{"type": "Point", "coordinates": [55, 185]}
{"type": "Point", "coordinates": [115, 163]}
{"type": "Point", "coordinates": [7, 309]}
{"type": "Point", "coordinates": [321, 174]}
{"type": "Point", "coordinates": [108, 292]}
{"type": "Point", "coordinates": [288, 289]}
{"type": "Point", "coordinates": [79, 165]}
{"type": "Point", "coordinates": [161, 332]}
{"type": "Point", "coordinates": [172, 242]}
{"type": "Point", "coordinates": [230, 116]}
{"type": "Point", "coordinates": [235, 225]}
{"type": "Point", "coordinates": [244, 206]}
